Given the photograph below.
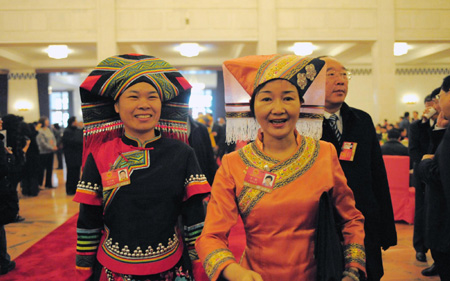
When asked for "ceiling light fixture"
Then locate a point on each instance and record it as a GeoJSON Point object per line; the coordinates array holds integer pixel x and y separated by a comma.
{"type": "Point", "coordinates": [57, 51]}
{"type": "Point", "coordinates": [401, 48]}
{"type": "Point", "coordinates": [303, 48]}
{"type": "Point", "coordinates": [189, 49]}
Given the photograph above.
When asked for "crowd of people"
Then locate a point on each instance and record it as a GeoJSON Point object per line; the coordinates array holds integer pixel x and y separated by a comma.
{"type": "Point", "coordinates": [419, 138]}
{"type": "Point", "coordinates": [27, 154]}
{"type": "Point", "coordinates": [160, 190]}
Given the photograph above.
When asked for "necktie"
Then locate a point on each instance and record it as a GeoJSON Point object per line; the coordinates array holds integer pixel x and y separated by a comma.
{"type": "Point", "coordinates": [333, 119]}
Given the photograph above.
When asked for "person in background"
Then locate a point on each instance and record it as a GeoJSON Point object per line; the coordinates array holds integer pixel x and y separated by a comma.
{"type": "Point", "coordinates": [404, 123]}
{"type": "Point", "coordinates": [47, 147]}
{"type": "Point", "coordinates": [279, 221]}
{"type": "Point", "coordinates": [365, 172]}
{"type": "Point", "coordinates": [58, 132]}
{"type": "Point", "coordinates": [30, 180]}
{"type": "Point", "coordinates": [419, 145]}
{"type": "Point", "coordinates": [6, 265]}
{"type": "Point", "coordinates": [393, 146]}
{"type": "Point", "coordinates": [433, 172]}
{"type": "Point", "coordinates": [135, 110]}
{"type": "Point", "coordinates": [200, 141]}
{"type": "Point", "coordinates": [415, 116]}
{"type": "Point", "coordinates": [72, 143]}
{"type": "Point", "coordinates": [219, 130]}
{"type": "Point", "coordinates": [18, 143]}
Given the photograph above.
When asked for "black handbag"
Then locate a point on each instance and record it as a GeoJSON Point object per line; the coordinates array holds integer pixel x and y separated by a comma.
{"type": "Point", "coordinates": [328, 251]}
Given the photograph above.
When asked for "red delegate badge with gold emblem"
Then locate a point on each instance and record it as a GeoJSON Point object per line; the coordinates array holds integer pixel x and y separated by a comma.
{"type": "Point", "coordinates": [259, 179]}
{"type": "Point", "coordinates": [115, 178]}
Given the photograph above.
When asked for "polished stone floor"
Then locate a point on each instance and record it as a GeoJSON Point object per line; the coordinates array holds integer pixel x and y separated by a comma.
{"type": "Point", "coordinates": [52, 207]}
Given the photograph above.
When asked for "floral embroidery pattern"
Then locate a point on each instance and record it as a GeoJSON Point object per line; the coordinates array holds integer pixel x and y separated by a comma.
{"type": "Point", "coordinates": [310, 72]}
{"type": "Point", "coordinates": [301, 80]}
{"type": "Point", "coordinates": [355, 253]}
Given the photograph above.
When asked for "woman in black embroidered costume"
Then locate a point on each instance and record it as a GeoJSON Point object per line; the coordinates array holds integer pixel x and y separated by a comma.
{"type": "Point", "coordinates": [280, 218]}
{"type": "Point", "coordinates": [142, 190]}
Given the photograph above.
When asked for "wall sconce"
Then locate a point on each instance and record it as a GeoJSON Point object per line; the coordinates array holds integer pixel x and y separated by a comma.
{"type": "Point", "coordinates": [58, 51]}
{"type": "Point", "coordinates": [22, 105]}
{"type": "Point", "coordinates": [410, 99]}
{"type": "Point", "coordinates": [189, 49]}
{"type": "Point", "coordinates": [401, 48]}
{"type": "Point", "coordinates": [303, 48]}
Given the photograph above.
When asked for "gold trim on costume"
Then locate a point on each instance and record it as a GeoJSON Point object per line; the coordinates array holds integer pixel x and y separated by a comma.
{"type": "Point", "coordinates": [286, 171]}
{"type": "Point", "coordinates": [215, 259]}
{"type": "Point", "coordinates": [355, 253]}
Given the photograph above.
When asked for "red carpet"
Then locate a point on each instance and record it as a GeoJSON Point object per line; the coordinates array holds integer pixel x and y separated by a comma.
{"type": "Point", "coordinates": [53, 257]}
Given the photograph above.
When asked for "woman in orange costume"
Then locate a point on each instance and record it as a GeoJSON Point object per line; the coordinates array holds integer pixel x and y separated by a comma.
{"type": "Point", "coordinates": [280, 221]}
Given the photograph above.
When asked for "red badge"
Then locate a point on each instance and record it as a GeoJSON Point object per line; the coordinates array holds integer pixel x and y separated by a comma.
{"type": "Point", "coordinates": [115, 178]}
{"type": "Point", "coordinates": [348, 151]}
{"type": "Point", "coordinates": [260, 179]}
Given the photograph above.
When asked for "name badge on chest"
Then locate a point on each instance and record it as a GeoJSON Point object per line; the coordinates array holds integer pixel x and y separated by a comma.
{"type": "Point", "coordinates": [259, 179]}
{"type": "Point", "coordinates": [115, 178]}
{"type": "Point", "coordinates": [348, 151]}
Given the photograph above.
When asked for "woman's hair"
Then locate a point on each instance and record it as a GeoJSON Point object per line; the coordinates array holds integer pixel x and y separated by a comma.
{"type": "Point", "coordinates": [42, 120]}
{"type": "Point", "coordinates": [256, 91]}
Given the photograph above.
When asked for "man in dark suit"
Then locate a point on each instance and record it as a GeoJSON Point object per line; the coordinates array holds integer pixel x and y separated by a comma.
{"type": "Point", "coordinates": [393, 146]}
{"type": "Point", "coordinates": [419, 144]}
{"type": "Point", "coordinates": [365, 173]}
{"type": "Point", "coordinates": [433, 171]}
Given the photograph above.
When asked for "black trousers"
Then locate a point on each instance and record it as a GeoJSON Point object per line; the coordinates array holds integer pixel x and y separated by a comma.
{"type": "Point", "coordinates": [47, 166]}
{"type": "Point", "coordinates": [419, 215]}
{"type": "Point", "coordinates": [4, 257]}
{"type": "Point", "coordinates": [72, 178]}
{"type": "Point", "coordinates": [442, 261]}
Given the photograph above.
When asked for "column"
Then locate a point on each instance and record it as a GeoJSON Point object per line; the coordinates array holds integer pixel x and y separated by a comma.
{"type": "Point", "coordinates": [106, 29]}
{"type": "Point", "coordinates": [384, 64]}
{"type": "Point", "coordinates": [267, 27]}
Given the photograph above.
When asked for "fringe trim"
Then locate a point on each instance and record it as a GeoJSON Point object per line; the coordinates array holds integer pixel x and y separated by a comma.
{"type": "Point", "coordinates": [246, 129]}
{"type": "Point", "coordinates": [174, 130]}
{"type": "Point", "coordinates": [96, 135]}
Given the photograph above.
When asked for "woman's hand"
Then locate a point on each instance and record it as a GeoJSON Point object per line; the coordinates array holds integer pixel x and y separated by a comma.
{"type": "Point", "coordinates": [346, 278]}
{"type": "Point", "coordinates": [235, 272]}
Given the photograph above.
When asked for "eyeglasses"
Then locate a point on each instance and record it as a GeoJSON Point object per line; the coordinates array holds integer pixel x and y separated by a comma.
{"type": "Point", "coordinates": [346, 75]}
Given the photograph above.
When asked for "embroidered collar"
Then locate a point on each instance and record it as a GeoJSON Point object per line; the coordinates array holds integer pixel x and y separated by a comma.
{"type": "Point", "coordinates": [287, 170]}
{"type": "Point", "coordinates": [129, 140]}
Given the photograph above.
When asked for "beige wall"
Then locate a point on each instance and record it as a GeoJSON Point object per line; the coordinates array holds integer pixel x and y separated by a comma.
{"type": "Point", "coordinates": [108, 23]}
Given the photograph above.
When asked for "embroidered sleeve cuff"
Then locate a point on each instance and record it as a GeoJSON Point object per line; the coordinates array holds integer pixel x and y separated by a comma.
{"type": "Point", "coordinates": [196, 185]}
{"type": "Point", "coordinates": [88, 193]}
{"type": "Point", "coordinates": [355, 256]}
{"type": "Point", "coordinates": [216, 261]}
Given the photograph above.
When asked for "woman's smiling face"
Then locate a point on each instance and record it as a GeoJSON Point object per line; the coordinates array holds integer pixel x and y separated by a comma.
{"type": "Point", "coordinates": [277, 108]}
{"type": "Point", "coordinates": [139, 108]}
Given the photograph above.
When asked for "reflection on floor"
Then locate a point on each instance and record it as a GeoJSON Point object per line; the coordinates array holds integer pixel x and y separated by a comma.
{"type": "Point", "coordinates": [52, 207]}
